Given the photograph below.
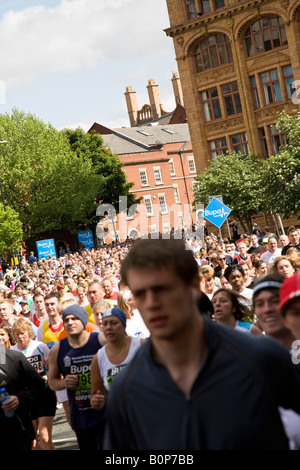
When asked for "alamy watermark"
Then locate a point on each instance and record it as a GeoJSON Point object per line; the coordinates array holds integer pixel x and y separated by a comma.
{"type": "Point", "coordinates": [296, 352]}
{"type": "Point", "coordinates": [146, 220]}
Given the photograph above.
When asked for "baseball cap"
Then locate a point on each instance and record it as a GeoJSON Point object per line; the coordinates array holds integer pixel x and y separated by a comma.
{"type": "Point", "coordinates": [270, 281]}
{"type": "Point", "coordinates": [116, 312]}
{"type": "Point", "coordinates": [290, 289]}
{"type": "Point", "coordinates": [76, 311]}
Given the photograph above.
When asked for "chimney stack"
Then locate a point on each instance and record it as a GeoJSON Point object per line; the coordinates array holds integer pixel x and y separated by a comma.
{"type": "Point", "coordinates": [177, 89]}
{"type": "Point", "coordinates": [132, 106]}
{"type": "Point", "coordinates": [154, 98]}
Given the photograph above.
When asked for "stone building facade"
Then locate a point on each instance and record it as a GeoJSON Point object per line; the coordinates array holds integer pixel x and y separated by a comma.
{"type": "Point", "coordinates": [238, 62]}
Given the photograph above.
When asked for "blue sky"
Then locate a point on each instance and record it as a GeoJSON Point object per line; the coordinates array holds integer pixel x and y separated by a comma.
{"type": "Point", "coordinates": [69, 61]}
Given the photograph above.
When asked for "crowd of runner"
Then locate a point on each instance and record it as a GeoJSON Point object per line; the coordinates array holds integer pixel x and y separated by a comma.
{"type": "Point", "coordinates": [41, 291]}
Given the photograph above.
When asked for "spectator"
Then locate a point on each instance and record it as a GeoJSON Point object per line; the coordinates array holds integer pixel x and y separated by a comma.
{"type": "Point", "coordinates": [23, 384]}
{"type": "Point", "coordinates": [284, 265]}
{"type": "Point", "coordinates": [229, 310]}
{"type": "Point", "coordinates": [272, 252]}
{"type": "Point", "coordinates": [190, 360]}
{"type": "Point", "coordinates": [294, 240]}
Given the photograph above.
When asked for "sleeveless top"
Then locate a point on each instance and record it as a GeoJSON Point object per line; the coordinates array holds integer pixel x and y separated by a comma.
{"type": "Point", "coordinates": [77, 361]}
{"type": "Point", "coordinates": [108, 370]}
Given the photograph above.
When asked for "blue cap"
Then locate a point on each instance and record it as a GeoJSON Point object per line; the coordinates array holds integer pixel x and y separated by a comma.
{"type": "Point", "coordinates": [116, 312]}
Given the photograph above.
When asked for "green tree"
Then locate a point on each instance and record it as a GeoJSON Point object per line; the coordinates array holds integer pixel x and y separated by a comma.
{"type": "Point", "coordinates": [280, 173]}
{"type": "Point", "coordinates": [43, 180]}
{"type": "Point", "coordinates": [236, 177]}
{"type": "Point", "coordinates": [11, 232]}
{"type": "Point", "coordinates": [113, 182]}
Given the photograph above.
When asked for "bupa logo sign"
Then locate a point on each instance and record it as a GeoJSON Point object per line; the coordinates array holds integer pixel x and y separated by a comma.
{"type": "Point", "coordinates": [216, 212]}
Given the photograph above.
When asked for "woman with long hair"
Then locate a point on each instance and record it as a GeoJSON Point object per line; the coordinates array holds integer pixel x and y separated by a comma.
{"type": "Point", "coordinates": [229, 311]}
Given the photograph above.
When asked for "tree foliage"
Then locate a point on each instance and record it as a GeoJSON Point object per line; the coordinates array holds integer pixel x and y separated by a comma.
{"type": "Point", "coordinates": [280, 173]}
{"type": "Point", "coordinates": [55, 179]}
{"type": "Point", "coordinates": [11, 232]}
{"type": "Point", "coordinates": [237, 178]}
{"type": "Point", "coordinates": [113, 181]}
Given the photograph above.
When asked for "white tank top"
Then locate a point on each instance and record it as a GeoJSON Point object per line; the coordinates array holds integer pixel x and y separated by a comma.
{"type": "Point", "coordinates": [107, 369]}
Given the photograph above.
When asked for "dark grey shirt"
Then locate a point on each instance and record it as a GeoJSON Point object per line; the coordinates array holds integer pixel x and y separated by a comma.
{"type": "Point", "coordinates": [233, 403]}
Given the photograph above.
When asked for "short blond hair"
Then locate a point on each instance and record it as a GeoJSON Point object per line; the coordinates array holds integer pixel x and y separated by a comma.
{"type": "Point", "coordinates": [23, 324]}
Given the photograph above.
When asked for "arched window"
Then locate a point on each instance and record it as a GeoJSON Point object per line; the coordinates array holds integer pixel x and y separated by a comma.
{"type": "Point", "coordinates": [265, 35]}
{"type": "Point", "coordinates": [213, 52]}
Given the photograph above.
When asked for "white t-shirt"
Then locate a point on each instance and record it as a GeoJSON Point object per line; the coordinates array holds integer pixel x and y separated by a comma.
{"type": "Point", "coordinates": [136, 326]}
{"type": "Point", "coordinates": [36, 354]}
{"type": "Point", "coordinates": [269, 258]}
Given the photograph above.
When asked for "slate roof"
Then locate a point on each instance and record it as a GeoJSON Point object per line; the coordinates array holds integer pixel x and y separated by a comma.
{"type": "Point", "coordinates": [145, 138]}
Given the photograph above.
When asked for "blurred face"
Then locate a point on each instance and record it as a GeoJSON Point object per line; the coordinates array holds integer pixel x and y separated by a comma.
{"type": "Point", "coordinates": [242, 247]}
{"type": "Point", "coordinates": [224, 283]}
{"type": "Point", "coordinates": [4, 338]}
{"type": "Point", "coordinates": [246, 271]}
{"type": "Point", "coordinates": [113, 328]}
{"type": "Point", "coordinates": [222, 308]}
{"type": "Point", "coordinates": [22, 338]}
{"type": "Point", "coordinates": [222, 260]}
{"type": "Point", "coordinates": [73, 325]}
{"type": "Point", "coordinates": [70, 284]}
{"type": "Point", "coordinates": [263, 270]}
{"type": "Point", "coordinates": [236, 280]}
{"type": "Point", "coordinates": [108, 288]}
{"type": "Point", "coordinates": [6, 311]}
{"type": "Point", "coordinates": [254, 240]}
{"type": "Point", "coordinates": [51, 306]}
{"type": "Point", "coordinates": [97, 312]}
{"type": "Point", "coordinates": [283, 240]}
{"type": "Point", "coordinates": [292, 317]}
{"type": "Point", "coordinates": [39, 303]}
{"type": "Point", "coordinates": [25, 308]}
{"type": "Point", "coordinates": [166, 303]}
{"type": "Point", "coordinates": [208, 284]}
{"type": "Point", "coordinates": [294, 237]}
{"type": "Point", "coordinates": [266, 309]}
{"type": "Point", "coordinates": [272, 245]}
{"type": "Point", "coordinates": [285, 268]}
{"type": "Point", "coordinates": [94, 293]}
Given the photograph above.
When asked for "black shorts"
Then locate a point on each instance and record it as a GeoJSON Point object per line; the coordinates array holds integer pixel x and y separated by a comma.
{"type": "Point", "coordinates": [44, 405]}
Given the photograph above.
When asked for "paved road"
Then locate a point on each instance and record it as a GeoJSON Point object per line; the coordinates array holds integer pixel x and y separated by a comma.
{"type": "Point", "coordinates": [62, 435]}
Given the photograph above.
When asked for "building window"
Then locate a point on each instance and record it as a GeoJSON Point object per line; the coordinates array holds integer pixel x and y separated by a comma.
{"type": "Point", "coordinates": [277, 139]}
{"type": "Point", "coordinates": [211, 104]}
{"type": "Point", "coordinates": [176, 194]}
{"type": "Point", "coordinates": [204, 6]}
{"type": "Point", "coordinates": [162, 204]}
{"type": "Point", "coordinates": [218, 4]}
{"type": "Point", "coordinates": [271, 87]}
{"type": "Point", "coordinates": [289, 81]}
{"type": "Point", "coordinates": [148, 204]}
{"type": "Point", "coordinates": [239, 143]}
{"type": "Point", "coordinates": [231, 98]}
{"type": "Point", "coordinates": [191, 163]}
{"type": "Point", "coordinates": [213, 52]}
{"type": "Point", "coordinates": [172, 167]}
{"type": "Point", "coordinates": [157, 175]}
{"type": "Point", "coordinates": [218, 147]}
{"type": "Point", "coordinates": [191, 8]}
{"type": "Point", "coordinates": [255, 92]}
{"type": "Point", "coordinates": [143, 177]}
{"type": "Point", "coordinates": [265, 35]}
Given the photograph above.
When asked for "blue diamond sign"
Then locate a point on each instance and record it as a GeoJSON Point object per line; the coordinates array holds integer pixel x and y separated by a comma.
{"type": "Point", "coordinates": [216, 212]}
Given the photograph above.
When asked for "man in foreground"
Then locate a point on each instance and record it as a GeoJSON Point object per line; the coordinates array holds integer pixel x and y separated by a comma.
{"type": "Point", "coordinates": [194, 385]}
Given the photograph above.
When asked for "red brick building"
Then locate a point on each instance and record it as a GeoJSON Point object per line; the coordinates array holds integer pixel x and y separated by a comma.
{"type": "Point", "coordinates": [159, 160]}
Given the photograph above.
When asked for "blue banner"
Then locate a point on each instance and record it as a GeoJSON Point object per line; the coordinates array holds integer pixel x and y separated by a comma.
{"type": "Point", "coordinates": [86, 238]}
{"type": "Point", "coordinates": [46, 248]}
